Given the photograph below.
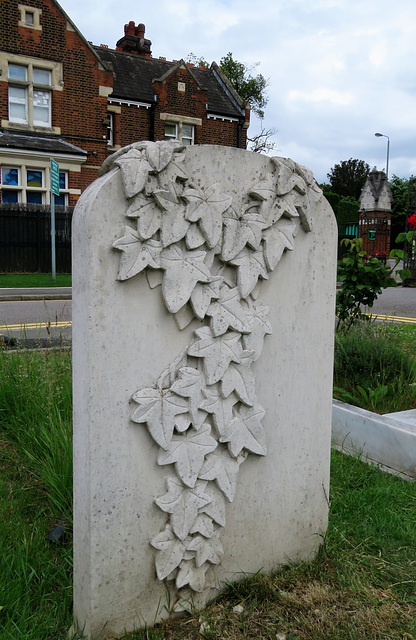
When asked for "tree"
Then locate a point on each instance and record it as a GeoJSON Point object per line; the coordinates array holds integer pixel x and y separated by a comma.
{"type": "Point", "coordinates": [261, 142]}
{"type": "Point", "coordinates": [250, 88]}
{"type": "Point", "coordinates": [348, 177]}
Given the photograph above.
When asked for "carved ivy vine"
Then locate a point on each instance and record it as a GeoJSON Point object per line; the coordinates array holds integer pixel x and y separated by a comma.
{"type": "Point", "coordinates": [208, 254]}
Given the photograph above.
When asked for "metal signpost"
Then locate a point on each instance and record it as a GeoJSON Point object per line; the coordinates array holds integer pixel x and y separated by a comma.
{"type": "Point", "coordinates": [54, 192]}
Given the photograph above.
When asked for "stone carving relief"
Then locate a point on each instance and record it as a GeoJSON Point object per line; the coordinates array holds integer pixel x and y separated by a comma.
{"type": "Point", "coordinates": [207, 250]}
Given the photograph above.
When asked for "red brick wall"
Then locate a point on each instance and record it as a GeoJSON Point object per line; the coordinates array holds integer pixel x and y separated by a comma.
{"type": "Point", "coordinates": [78, 110]}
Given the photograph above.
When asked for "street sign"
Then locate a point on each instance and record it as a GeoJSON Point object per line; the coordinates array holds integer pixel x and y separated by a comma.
{"type": "Point", "coordinates": [54, 177]}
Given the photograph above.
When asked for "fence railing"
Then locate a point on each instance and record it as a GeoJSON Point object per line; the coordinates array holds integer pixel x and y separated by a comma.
{"type": "Point", "coordinates": [25, 238]}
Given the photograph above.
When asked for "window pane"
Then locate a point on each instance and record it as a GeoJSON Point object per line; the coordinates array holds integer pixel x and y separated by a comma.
{"type": "Point", "coordinates": [61, 200]}
{"type": "Point", "coordinates": [63, 175]}
{"type": "Point", "coordinates": [17, 72]}
{"type": "Point", "coordinates": [34, 178]}
{"type": "Point", "coordinates": [170, 130]}
{"type": "Point", "coordinates": [10, 176]}
{"type": "Point", "coordinates": [17, 104]}
{"type": "Point", "coordinates": [9, 196]}
{"type": "Point", "coordinates": [41, 107]}
{"type": "Point", "coordinates": [187, 131]}
{"type": "Point", "coordinates": [40, 76]}
{"type": "Point", "coordinates": [34, 197]}
{"type": "Point", "coordinates": [29, 17]}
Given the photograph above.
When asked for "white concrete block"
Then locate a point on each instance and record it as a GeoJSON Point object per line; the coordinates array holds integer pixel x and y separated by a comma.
{"type": "Point", "coordinates": [388, 440]}
{"type": "Point", "coordinates": [198, 454]}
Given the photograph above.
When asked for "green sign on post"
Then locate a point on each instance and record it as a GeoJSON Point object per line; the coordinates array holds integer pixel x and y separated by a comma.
{"type": "Point", "coordinates": [54, 177]}
{"type": "Point", "coordinates": [54, 192]}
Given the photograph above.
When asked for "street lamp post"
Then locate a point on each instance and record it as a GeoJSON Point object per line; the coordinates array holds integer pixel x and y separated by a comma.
{"type": "Point", "coordinates": [382, 135]}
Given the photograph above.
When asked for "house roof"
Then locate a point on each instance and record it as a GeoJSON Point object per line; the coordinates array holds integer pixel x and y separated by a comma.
{"type": "Point", "coordinates": [34, 142]}
{"type": "Point", "coordinates": [134, 75]}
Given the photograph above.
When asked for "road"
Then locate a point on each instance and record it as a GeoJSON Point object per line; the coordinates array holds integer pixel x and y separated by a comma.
{"type": "Point", "coordinates": [52, 318]}
{"type": "Point", "coordinates": [396, 302]}
{"type": "Point", "coordinates": [36, 319]}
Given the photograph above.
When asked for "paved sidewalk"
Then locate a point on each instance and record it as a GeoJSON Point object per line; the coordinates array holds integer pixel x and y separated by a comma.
{"type": "Point", "coordinates": [33, 293]}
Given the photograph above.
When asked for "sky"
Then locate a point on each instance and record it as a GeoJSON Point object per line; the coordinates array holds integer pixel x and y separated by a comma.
{"type": "Point", "coordinates": [339, 71]}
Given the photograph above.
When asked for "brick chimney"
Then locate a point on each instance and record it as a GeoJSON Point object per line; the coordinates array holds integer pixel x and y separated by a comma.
{"type": "Point", "coordinates": [133, 41]}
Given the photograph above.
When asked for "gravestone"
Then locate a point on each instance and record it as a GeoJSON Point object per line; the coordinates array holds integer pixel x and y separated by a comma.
{"type": "Point", "coordinates": [203, 315]}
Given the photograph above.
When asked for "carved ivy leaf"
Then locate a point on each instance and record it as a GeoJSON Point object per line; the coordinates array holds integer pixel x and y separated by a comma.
{"type": "Point", "coordinates": [134, 171]}
{"type": "Point", "coordinates": [170, 553]}
{"type": "Point", "coordinates": [136, 255]}
{"type": "Point", "coordinates": [222, 468]}
{"type": "Point", "coordinates": [265, 191]}
{"type": "Point", "coordinates": [221, 408]}
{"type": "Point", "coordinates": [189, 385]}
{"type": "Point", "coordinates": [242, 230]}
{"type": "Point", "coordinates": [276, 240]}
{"type": "Point", "coordinates": [217, 505]}
{"type": "Point", "coordinates": [192, 575]}
{"type": "Point", "coordinates": [217, 352]}
{"type": "Point", "coordinates": [203, 525]}
{"type": "Point", "coordinates": [228, 313]}
{"type": "Point", "coordinates": [154, 278]}
{"type": "Point", "coordinates": [194, 237]}
{"type": "Point", "coordinates": [207, 208]}
{"type": "Point", "coordinates": [148, 214]}
{"type": "Point", "coordinates": [287, 178]}
{"type": "Point", "coordinates": [203, 294]}
{"type": "Point", "coordinates": [240, 379]}
{"type": "Point", "coordinates": [183, 504]}
{"type": "Point", "coordinates": [159, 154]}
{"type": "Point", "coordinates": [173, 225]}
{"type": "Point", "coordinates": [251, 266]}
{"type": "Point", "coordinates": [260, 327]}
{"type": "Point", "coordinates": [158, 408]}
{"type": "Point", "coordinates": [245, 431]}
{"type": "Point", "coordinates": [183, 422]}
{"type": "Point", "coordinates": [188, 451]}
{"type": "Point", "coordinates": [183, 269]}
{"type": "Point", "coordinates": [207, 549]}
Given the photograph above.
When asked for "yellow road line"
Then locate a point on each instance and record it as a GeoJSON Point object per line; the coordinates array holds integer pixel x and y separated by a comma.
{"type": "Point", "coordinates": [404, 319]}
{"type": "Point", "coordinates": [35, 325]}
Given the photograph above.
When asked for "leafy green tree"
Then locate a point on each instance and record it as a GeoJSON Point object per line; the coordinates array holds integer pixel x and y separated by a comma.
{"type": "Point", "coordinates": [251, 88]}
{"type": "Point", "coordinates": [348, 177]}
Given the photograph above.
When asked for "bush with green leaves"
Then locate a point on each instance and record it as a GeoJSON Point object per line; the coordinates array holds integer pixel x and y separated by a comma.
{"type": "Point", "coordinates": [362, 278]}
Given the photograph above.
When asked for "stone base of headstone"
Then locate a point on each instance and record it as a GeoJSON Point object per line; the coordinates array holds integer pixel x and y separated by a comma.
{"type": "Point", "coordinates": [245, 249]}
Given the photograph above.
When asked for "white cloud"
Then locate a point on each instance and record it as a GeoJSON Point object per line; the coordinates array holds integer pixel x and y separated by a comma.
{"type": "Point", "coordinates": [321, 95]}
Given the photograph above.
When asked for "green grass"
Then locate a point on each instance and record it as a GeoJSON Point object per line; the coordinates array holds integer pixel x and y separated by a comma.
{"type": "Point", "coordinates": [24, 280]}
{"type": "Point", "coordinates": [375, 367]}
{"type": "Point", "coordinates": [362, 585]}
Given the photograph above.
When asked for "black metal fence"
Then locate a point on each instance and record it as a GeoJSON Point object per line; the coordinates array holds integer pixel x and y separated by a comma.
{"type": "Point", "coordinates": [25, 238]}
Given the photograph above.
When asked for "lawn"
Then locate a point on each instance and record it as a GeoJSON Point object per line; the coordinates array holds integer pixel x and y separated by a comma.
{"type": "Point", "coordinates": [362, 585]}
{"type": "Point", "coordinates": [24, 280]}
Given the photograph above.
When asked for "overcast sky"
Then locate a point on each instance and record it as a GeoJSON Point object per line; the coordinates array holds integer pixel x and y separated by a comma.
{"type": "Point", "coordinates": [339, 70]}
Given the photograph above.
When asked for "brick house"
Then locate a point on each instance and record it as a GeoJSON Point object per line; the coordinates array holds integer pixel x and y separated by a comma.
{"type": "Point", "coordinates": [64, 98]}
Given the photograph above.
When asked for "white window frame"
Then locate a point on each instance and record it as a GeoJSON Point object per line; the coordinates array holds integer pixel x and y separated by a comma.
{"type": "Point", "coordinates": [179, 135]}
{"type": "Point", "coordinates": [110, 129]}
{"type": "Point", "coordinates": [34, 22]}
{"type": "Point", "coordinates": [31, 87]}
{"type": "Point", "coordinates": [22, 187]}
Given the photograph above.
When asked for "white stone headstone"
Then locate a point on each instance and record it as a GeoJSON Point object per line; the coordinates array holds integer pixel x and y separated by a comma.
{"type": "Point", "coordinates": [203, 315]}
